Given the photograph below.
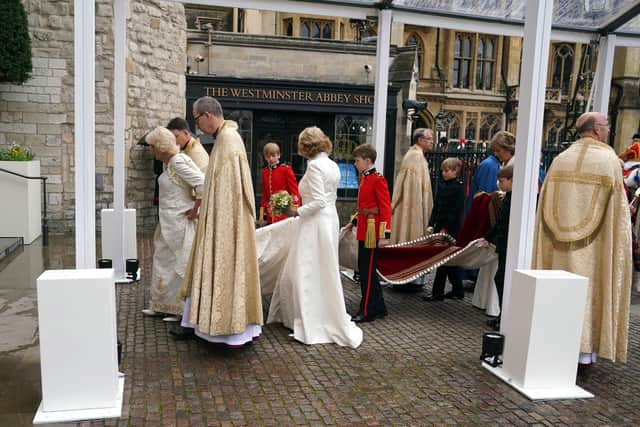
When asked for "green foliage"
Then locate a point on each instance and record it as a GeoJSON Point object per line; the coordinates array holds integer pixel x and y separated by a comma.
{"type": "Point", "coordinates": [16, 153]}
{"type": "Point", "coordinates": [15, 44]}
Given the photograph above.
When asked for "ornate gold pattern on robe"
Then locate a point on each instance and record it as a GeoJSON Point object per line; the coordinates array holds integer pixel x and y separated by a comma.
{"type": "Point", "coordinates": [583, 226]}
{"type": "Point", "coordinates": [412, 198]}
{"type": "Point", "coordinates": [198, 154]}
{"type": "Point", "coordinates": [222, 276]}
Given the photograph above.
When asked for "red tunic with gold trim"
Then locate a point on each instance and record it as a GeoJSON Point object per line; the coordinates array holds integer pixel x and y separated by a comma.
{"type": "Point", "coordinates": [277, 178]}
{"type": "Point", "coordinates": [373, 196]}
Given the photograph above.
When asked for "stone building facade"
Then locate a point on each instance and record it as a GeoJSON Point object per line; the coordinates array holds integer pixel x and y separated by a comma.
{"type": "Point", "coordinates": [176, 53]}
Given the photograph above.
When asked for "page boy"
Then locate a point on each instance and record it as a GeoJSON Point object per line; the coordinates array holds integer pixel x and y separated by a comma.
{"type": "Point", "coordinates": [276, 177]}
{"type": "Point", "coordinates": [374, 218]}
{"type": "Point", "coordinates": [447, 218]}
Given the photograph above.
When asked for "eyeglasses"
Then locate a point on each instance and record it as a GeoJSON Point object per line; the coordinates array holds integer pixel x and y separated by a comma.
{"type": "Point", "coordinates": [606, 125]}
{"type": "Point", "coordinates": [196, 118]}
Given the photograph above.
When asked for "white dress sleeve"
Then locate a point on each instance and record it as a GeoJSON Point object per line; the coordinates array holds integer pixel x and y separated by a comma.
{"type": "Point", "coordinates": [316, 200]}
{"type": "Point", "coordinates": [187, 170]}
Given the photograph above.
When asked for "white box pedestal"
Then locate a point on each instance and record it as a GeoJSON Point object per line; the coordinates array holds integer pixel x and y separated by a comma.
{"type": "Point", "coordinates": [542, 337]}
{"type": "Point", "coordinates": [78, 346]}
{"type": "Point", "coordinates": [108, 233]}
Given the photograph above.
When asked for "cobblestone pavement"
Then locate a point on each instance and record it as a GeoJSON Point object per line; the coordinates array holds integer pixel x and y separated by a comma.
{"type": "Point", "coordinates": [418, 366]}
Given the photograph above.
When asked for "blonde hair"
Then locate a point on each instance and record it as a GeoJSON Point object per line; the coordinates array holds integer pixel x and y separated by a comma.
{"type": "Point", "coordinates": [163, 141]}
{"type": "Point", "coordinates": [451, 163]}
{"type": "Point", "coordinates": [312, 141]}
{"type": "Point", "coordinates": [270, 148]}
{"type": "Point", "coordinates": [505, 141]}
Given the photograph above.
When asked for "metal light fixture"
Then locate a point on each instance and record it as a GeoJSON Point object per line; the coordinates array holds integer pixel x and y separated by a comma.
{"type": "Point", "coordinates": [492, 346]}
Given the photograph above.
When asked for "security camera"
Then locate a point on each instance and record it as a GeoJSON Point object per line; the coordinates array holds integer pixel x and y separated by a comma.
{"type": "Point", "coordinates": [367, 68]}
{"type": "Point", "coordinates": [415, 105]}
{"type": "Point", "coordinates": [199, 58]}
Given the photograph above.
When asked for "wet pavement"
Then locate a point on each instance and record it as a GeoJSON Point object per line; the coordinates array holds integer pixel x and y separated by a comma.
{"type": "Point", "coordinates": [418, 366]}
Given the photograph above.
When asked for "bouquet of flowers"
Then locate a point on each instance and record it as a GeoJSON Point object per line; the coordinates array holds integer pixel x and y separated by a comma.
{"type": "Point", "coordinates": [280, 202]}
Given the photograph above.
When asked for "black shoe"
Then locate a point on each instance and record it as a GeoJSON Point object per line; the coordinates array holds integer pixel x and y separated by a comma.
{"type": "Point", "coordinates": [432, 298]}
{"type": "Point", "coordinates": [583, 370]}
{"type": "Point", "coordinates": [451, 295]}
{"type": "Point", "coordinates": [359, 318]}
{"type": "Point", "coordinates": [181, 333]}
{"type": "Point", "coordinates": [494, 323]}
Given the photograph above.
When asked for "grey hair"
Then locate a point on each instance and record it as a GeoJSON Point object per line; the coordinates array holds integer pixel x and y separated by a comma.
{"type": "Point", "coordinates": [419, 133]}
{"type": "Point", "coordinates": [208, 104]}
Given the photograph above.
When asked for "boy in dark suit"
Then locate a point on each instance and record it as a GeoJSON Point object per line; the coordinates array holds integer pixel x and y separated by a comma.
{"type": "Point", "coordinates": [447, 218]}
{"type": "Point", "coordinates": [374, 218]}
{"type": "Point", "coordinates": [499, 235]}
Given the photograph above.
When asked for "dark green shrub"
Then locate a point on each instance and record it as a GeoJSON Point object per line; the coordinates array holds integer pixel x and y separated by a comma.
{"type": "Point", "coordinates": [15, 44]}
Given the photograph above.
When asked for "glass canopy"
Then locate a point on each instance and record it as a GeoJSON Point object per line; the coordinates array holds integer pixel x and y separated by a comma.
{"type": "Point", "coordinates": [594, 16]}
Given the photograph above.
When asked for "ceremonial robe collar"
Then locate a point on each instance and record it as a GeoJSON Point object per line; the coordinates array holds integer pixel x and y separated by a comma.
{"type": "Point", "coordinates": [277, 165]}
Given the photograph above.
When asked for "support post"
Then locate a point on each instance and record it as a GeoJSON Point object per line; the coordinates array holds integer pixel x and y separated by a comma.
{"type": "Point", "coordinates": [604, 70]}
{"type": "Point", "coordinates": [84, 43]}
{"type": "Point", "coordinates": [119, 110]}
{"type": "Point", "coordinates": [381, 85]}
{"type": "Point", "coordinates": [537, 32]}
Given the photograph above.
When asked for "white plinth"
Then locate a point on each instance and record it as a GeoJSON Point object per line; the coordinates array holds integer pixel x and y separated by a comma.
{"type": "Point", "coordinates": [543, 327]}
{"type": "Point", "coordinates": [21, 198]}
{"type": "Point", "coordinates": [108, 227]}
{"type": "Point", "coordinates": [78, 345]}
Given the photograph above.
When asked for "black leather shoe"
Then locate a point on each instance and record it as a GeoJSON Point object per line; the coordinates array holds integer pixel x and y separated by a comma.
{"type": "Point", "coordinates": [432, 298]}
{"type": "Point", "coordinates": [181, 333]}
{"type": "Point", "coordinates": [359, 318]}
{"type": "Point", "coordinates": [451, 295]}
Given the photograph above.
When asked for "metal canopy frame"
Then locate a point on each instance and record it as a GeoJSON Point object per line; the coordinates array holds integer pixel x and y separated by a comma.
{"type": "Point", "coordinates": [536, 33]}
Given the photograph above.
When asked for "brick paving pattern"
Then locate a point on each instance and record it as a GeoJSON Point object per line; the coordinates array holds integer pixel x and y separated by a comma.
{"type": "Point", "coordinates": [418, 366]}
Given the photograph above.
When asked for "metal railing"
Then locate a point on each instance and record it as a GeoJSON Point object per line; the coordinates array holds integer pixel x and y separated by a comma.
{"type": "Point", "coordinates": [45, 225]}
{"type": "Point", "coordinates": [472, 154]}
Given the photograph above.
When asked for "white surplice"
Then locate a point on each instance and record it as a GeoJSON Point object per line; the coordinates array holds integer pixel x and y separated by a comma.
{"type": "Point", "coordinates": [307, 296]}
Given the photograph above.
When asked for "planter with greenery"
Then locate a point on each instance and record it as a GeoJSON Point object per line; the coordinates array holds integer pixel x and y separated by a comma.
{"type": "Point", "coordinates": [21, 213]}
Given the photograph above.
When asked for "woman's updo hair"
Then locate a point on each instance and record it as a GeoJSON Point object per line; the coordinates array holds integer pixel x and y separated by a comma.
{"type": "Point", "coordinates": [312, 141]}
{"type": "Point", "coordinates": [163, 141]}
{"type": "Point", "coordinates": [504, 140]}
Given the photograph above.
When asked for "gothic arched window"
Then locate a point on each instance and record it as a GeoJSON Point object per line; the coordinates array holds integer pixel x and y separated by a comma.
{"type": "Point", "coordinates": [462, 61]}
{"type": "Point", "coordinates": [563, 54]}
{"type": "Point", "coordinates": [415, 42]}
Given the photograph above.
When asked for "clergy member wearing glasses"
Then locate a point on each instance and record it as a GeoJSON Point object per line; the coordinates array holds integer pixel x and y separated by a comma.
{"type": "Point", "coordinates": [222, 284]}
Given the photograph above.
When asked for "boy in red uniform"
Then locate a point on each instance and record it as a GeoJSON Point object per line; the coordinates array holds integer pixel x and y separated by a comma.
{"type": "Point", "coordinates": [374, 219]}
{"type": "Point", "coordinates": [276, 177]}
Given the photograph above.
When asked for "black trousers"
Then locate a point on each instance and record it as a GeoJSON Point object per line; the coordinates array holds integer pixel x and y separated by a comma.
{"type": "Point", "coordinates": [454, 275]}
{"type": "Point", "coordinates": [372, 302]}
{"type": "Point", "coordinates": [499, 277]}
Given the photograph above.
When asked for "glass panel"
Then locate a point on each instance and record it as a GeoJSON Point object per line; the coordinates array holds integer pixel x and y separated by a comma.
{"type": "Point", "coordinates": [289, 30]}
{"type": "Point", "coordinates": [480, 48]}
{"type": "Point", "coordinates": [327, 32]}
{"type": "Point", "coordinates": [488, 75]}
{"type": "Point", "coordinates": [466, 50]}
{"type": "Point", "coordinates": [456, 73]}
{"type": "Point", "coordinates": [351, 131]}
{"type": "Point", "coordinates": [456, 50]}
{"type": "Point", "coordinates": [489, 50]}
{"type": "Point", "coordinates": [315, 31]}
{"type": "Point", "coordinates": [466, 64]}
{"type": "Point", "coordinates": [304, 30]}
{"type": "Point", "coordinates": [479, 75]}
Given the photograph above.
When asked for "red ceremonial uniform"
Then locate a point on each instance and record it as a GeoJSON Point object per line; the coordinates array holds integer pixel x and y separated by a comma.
{"type": "Point", "coordinates": [373, 193]}
{"type": "Point", "coordinates": [277, 178]}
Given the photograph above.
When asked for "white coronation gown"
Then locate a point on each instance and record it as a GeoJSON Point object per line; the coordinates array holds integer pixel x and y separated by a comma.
{"type": "Point", "coordinates": [307, 295]}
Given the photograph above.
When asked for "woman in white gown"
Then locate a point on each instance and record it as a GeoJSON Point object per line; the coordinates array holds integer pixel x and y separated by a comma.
{"type": "Point", "coordinates": [308, 295]}
{"type": "Point", "coordinates": [179, 182]}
